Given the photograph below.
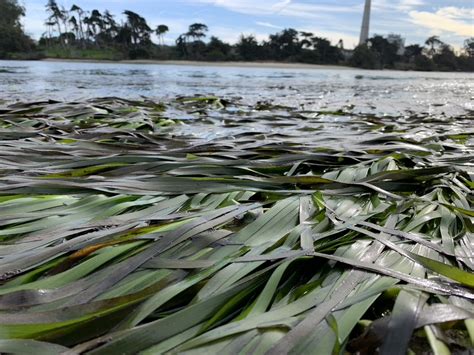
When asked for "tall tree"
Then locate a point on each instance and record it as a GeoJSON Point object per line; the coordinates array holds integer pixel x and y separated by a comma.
{"type": "Point", "coordinates": [97, 25]}
{"type": "Point", "coordinates": [75, 26]}
{"type": "Point", "coordinates": [49, 30]}
{"type": "Point", "coordinates": [217, 50]}
{"type": "Point", "coordinates": [364, 57]}
{"type": "Point", "coordinates": [79, 20]}
{"type": "Point", "coordinates": [284, 44]}
{"type": "Point", "coordinates": [306, 41]}
{"type": "Point", "coordinates": [65, 20]}
{"type": "Point", "coordinates": [110, 28]}
{"type": "Point", "coordinates": [89, 23]}
{"type": "Point", "coordinates": [140, 32]}
{"type": "Point", "coordinates": [12, 38]}
{"type": "Point", "coordinates": [96, 22]}
{"type": "Point", "coordinates": [248, 48]}
{"type": "Point", "coordinates": [413, 50]}
{"type": "Point", "coordinates": [445, 59]}
{"type": "Point", "coordinates": [469, 47]}
{"type": "Point", "coordinates": [193, 49]}
{"type": "Point", "coordinates": [160, 32]}
{"type": "Point", "coordinates": [181, 45]}
{"type": "Point", "coordinates": [326, 53]}
{"type": "Point", "coordinates": [56, 16]}
{"type": "Point", "coordinates": [385, 51]}
{"type": "Point", "coordinates": [197, 31]}
{"type": "Point", "coordinates": [434, 44]}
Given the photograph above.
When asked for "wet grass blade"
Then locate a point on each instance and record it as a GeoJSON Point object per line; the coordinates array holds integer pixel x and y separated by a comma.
{"type": "Point", "coordinates": [206, 225]}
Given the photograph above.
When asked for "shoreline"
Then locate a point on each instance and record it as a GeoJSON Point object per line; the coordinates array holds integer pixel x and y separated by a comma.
{"type": "Point", "coordinates": [270, 65]}
{"type": "Point", "coordinates": [230, 64]}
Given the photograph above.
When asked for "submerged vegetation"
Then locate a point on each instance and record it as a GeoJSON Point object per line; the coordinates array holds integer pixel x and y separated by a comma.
{"type": "Point", "coordinates": [205, 225]}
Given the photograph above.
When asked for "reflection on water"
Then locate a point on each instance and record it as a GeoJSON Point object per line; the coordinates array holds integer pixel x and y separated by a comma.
{"type": "Point", "coordinates": [388, 92]}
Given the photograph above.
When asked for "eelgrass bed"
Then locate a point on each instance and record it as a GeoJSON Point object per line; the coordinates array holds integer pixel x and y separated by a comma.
{"type": "Point", "coordinates": [206, 226]}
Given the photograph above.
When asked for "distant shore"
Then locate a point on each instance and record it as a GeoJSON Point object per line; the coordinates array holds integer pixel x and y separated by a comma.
{"type": "Point", "coordinates": [271, 65]}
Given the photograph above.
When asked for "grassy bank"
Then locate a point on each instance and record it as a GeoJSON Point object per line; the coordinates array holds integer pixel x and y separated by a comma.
{"type": "Point", "coordinates": [67, 54]}
{"type": "Point", "coordinates": [170, 55]}
{"type": "Point", "coordinates": [89, 54]}
{"type": "Point", "coordinates": [125, 229]}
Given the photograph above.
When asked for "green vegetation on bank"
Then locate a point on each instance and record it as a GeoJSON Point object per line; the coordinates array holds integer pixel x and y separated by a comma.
{"type": "Point", "coordinates": [12, 37]}
{"type": "Point", "coordinates": [294, 233]}
{"type": "Point", "coordinates": [79, 53]}
{"type": "Point", "coordinates": [82, 34]}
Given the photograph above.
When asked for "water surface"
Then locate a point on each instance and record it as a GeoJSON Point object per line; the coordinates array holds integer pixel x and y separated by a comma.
{"type": "Point", "coordinates": [392, 93]}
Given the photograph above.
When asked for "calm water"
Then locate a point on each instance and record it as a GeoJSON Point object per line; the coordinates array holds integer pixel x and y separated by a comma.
{"type": "Point", "coordinates": [380, 92]}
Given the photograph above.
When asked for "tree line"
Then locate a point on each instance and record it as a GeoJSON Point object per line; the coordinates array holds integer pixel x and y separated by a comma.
{"type": "Point", "coordinates": [12, 36]}
{"type": "Point", "coordinates": [76, 28]}
{"type": "Point", "coordinates": [76, 33]}
{"type": "Point", "coordinates": [380, 53]}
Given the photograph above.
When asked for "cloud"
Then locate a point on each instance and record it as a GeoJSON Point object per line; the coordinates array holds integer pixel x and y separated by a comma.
{"type": "Point", "coordinates": [400, 5]}
{"type": "Point", "coordinates": [457, 13]}
{"type": "Point", "coordinates": [453, 20]}
{"type": "Point", "coordinates": [408, 5]}
{"type": "Point", "coordinates": [281, 5]}
{"type": "Point", "coordinates": [282, 8]}
{"type": "Point", "coordinates": [268, 24]}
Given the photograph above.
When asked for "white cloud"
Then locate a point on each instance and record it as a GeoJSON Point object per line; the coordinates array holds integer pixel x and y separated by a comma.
{"type": "Point", "coordinates": [408, 5]}
{"type": "Point", "coordinates": [458, 13]}
{"type": "Point", "coordinates": [268, 24]}
{"type": "Point", "coordinates": [400, 5]}
{"type": "Point", "coordinates": [282, 8]}
{"type": "Point", "coordinates": [449, 19]}
{"type": "Point", "coordinates": [281, 5]}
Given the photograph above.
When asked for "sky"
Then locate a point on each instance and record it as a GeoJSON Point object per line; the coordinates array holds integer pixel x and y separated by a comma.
{"type": "Point", "coordinates": [415, 20]}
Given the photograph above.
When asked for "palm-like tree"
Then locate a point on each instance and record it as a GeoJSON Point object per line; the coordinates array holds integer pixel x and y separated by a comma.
{"type": "Point", "coordinates": [139, 29]}
{"type": "Point", "coordinates": [75, 26]}
{"type": "Point", "coordinates": [322, 47]}
{"type": "Point", "coordinates": [306, 41]}
{"type": "Point", "coordinates": [469, 46]}
{"type": "Point", "coordinates": [97, 25]}
{"type": "Point", "coordinates": [79, 20]}
{"type": "Point", "coordinates": [181, 44]}
{"type": "Point", "coordinates": [64, 17]}
{"type": "Point", "coordinates": [50, 29]}
{"type": "Point", "coordinates": [56, 16]}
{"type": "Point", "coordinates": [248, 47]}
{"type": "Point", "coordinates": [110, 24]}
{"type": "Point", "coordinates": [413, 51]}
{"type": "Point", "coordinates": [88, 32]}
{"type": "Point", "coordinates": [197, 31]}
{"type": "Point", "coordinates": [160, 31]}
{"type": "Point", "coordinates": [96, 22]}
{"type": "Point", "coordinates": [434, 43]}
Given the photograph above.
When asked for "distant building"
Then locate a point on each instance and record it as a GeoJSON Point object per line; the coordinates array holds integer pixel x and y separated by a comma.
{"type": "Point", "coordinates": [364, 31]}
{"type": "Point", "coordinates": [347, 53]}
{"type": "Point", "coordinates": [399, 41]}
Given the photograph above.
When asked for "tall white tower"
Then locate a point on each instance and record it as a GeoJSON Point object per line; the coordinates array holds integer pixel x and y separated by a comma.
{"type": "Point", "coordinates": [364, 31]}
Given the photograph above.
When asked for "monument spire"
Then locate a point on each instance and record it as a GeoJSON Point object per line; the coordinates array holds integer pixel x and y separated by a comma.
{"type": "Point", "coordinates": [364, 31]}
